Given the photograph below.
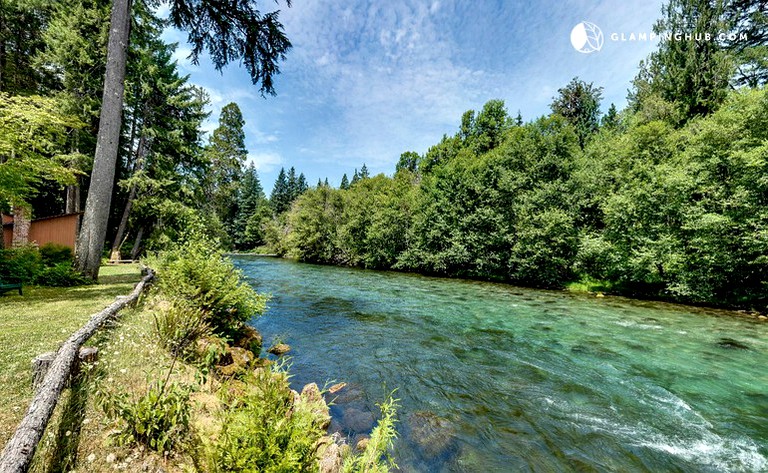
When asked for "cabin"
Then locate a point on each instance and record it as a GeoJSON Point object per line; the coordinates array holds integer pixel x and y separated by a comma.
{"type": "Point", "coordinates": [61, 229]}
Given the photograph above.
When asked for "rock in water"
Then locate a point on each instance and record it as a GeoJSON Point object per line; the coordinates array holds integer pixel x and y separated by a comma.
{"type": "Point", "coordinates": [433, 434]}
{"type": "Point", "coordinates": [731, 344]}
{"type": "Point", "coordinates": [279, 349]}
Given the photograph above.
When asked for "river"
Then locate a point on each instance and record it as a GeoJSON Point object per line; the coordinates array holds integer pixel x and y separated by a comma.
{"type": "Point", "coordinates": [493, 377]}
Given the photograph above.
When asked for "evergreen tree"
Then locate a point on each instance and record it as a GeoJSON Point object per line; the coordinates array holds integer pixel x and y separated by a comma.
{"type": "Point", "coordinates": [251, 203]}
{"type": "Point", "coordinates": [344, 182]}
{"type": "Point", "coordinates": [355, 177]}
{"type": "Point", "coordinates": [281, 194]}
{"type": "Point", "coordinates": [301, 184]}
{"type": "Point", "coordinates": [325, 184]}
{"type": "Point", "coordinates": [611, 119]}
{"type": "Point", "coordinates": [692, 74]}
{"type": "Point", "coordinates": [579, 103]}
{"type": "Point", "coordinates": [519, 119]}
{"type": "Point", "coordinates": [226, 154]}
{"type": "Point", "coordinates": [363, 172]}
{"type": "Point", "coordinates": [247, 34]}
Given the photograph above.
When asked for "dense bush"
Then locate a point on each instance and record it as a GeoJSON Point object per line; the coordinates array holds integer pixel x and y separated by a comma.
{"type": "Point", "coordinates": [264, 431]}
{"type": "Point", "coordinates": [20, 264]}
{"type": "Point", "coordinates": [650, 207]}
{"type": "Point", "coordinates": [54, 254]}
{"type": "Point", "coordinates": [179, 325]}
{"type": "Point", "coordinates": [60, 275]}
{"type": "Point", "coordinates": [196, 272]}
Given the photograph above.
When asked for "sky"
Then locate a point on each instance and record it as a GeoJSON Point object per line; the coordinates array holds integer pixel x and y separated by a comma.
{"type": "Point", "coordinates": [367, 80]}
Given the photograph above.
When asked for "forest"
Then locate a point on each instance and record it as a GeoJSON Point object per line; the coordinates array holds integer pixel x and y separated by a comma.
{"type": "Point", "coordinates": [663, 199]}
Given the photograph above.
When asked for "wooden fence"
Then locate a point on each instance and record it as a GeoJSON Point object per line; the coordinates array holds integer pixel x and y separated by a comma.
{"type": "Point", "coordinates": [20, 449]}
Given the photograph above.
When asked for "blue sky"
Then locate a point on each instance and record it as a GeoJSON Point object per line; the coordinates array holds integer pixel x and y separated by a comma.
{"type": "Point", "coordinates": [367, 80]}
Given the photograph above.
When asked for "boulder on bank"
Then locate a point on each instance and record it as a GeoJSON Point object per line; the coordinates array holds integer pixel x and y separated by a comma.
{"type": "Point", "coordinates": [251, 340]}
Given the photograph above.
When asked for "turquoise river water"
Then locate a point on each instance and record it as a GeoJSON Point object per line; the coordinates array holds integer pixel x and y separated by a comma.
{"type": "Point", "coordinates": [493, 377]}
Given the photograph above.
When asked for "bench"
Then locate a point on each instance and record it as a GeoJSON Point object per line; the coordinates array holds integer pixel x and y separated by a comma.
{"type": "Point", "coordinates": [5, 287]}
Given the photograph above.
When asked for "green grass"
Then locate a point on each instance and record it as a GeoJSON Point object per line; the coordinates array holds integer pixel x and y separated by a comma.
{"type": "Point", "coordinates": [38, 322]}
{"type": "Point", "coordinates": [589, 285]}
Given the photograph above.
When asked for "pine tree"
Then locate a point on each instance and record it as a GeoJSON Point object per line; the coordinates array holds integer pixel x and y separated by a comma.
{"type": "Point", "coordinates": [519, 119]}
{"type": "Point", "coordinates": [280, 197]}
{"type": "Point", "coordinates": [364, 172]}
{"type": "Point", "coordinates": [355, 177]}
{"type": "Point", "coordinates": [611, 119]}
{"type": "Point", "coordinates": [579, 103]}
{"type": "Point", "coordinates": [251, 201]}
{"type": "Point", "coordinates": [344, 182]}
{"type": "Point", "coordinates": [246, 33]}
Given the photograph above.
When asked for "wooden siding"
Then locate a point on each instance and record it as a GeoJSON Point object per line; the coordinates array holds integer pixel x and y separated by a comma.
{"type": "Point", "coordinates": [61, 229]}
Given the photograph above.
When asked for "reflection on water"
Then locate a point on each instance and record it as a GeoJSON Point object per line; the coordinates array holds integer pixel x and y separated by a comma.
{"type": "Point", "coordinates": [498, 378]}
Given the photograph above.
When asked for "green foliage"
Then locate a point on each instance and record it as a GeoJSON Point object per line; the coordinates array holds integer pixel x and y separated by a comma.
{"type": "Point", "coordinates": [263, 430]}
{"type": "Point", "coordinates": [178, 325]}
{"type": "Point", "coordinates": [646, 208]}
{"type": "Point", "coordinates": [60, 275]}
{"type": "Point", "coordinates": [33, 146]}
{"type": "Point", "coordinates": [375, 458]}
{"type": "Point", "coordinates": [196, 271]}
{"type": "Point", "coordinates": [158, 420]}
{"type": "Point", "coordinates": [579, 103]}
{"type": "Point", "coordinates": [20, 264]}
{"type": "Point", "coordinates": [53, 254]}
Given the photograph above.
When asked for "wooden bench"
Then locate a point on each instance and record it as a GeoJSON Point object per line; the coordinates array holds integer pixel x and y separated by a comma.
{"type": "Point", "coordinates": [5, 287]}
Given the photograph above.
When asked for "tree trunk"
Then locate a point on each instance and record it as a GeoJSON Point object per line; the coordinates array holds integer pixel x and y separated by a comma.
{"type": "Point", "coordinates": [137, 243]}
{"type": "Point", "coordinates": [73, 199]}
{"type": "Point", "coordinates": [141, 153]}
{"type": "Point", "coordinates": [21, 224]}
{"type": "Point", "coordinates": [93, 232]}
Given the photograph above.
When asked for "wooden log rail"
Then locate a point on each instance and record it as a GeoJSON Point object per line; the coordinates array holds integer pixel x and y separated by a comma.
{"type": "Point", "coordinates": [20, 449]}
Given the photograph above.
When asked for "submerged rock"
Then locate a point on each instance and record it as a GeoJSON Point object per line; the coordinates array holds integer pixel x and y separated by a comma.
{"type": "Point", "coordinates": [434, 435]}
{"type": "Point", "coordinates": [357, 420]}
{"type": "Point", "coordinates": [731, 344]}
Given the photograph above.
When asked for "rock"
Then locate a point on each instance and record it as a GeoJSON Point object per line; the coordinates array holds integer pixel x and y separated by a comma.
{"type": "Point", "coordinates": [599, 294]}
{"type": "Point", "coordinates": [312, 396]}
{"type": "Point", "coordinates": [351, 393]}
{"type": "Point", "coordinates": [280, 349]}
{"type": "Point", "coordinates": [250, 340]}
{"type": "Point", "coordinates": [241, 356]}
{"type": "Point", "coordinates": [111, 458]}
{"type": "Point", "coordinates": [762, 317]}
{"type": "Point", "coordinates": [433, 434]}
{"type": "Point", "coordinates": [207, 346]}
{"type": "Point", "coordinates": [336, 388]}
{"type": "Point", "coordinates": [731, 344]}
{"type": "Point", "coordinates": [357, 420]}
{"type": "Point", "coordinates": [329, 455]}
{"type": "Point", "coordinates": [362, 443]}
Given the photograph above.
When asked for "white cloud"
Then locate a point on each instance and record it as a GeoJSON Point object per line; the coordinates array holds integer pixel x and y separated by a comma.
{"type": "Point", "coordinates": [265, 161]}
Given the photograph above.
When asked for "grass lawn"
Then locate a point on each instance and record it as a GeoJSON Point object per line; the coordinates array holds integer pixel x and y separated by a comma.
{"type": "Point", "coordinates": [38, 322]}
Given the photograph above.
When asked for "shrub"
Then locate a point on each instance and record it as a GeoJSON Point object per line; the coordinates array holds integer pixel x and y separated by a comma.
{"type": "Point", "coordinates": [54, 254]}
{"type": "Point", "coordinates": [264, 431]}
{"type": "Point", "coordinates": [179, 325]}
{"type": "Point", "coordinates": [199, 273]}
{"type": "Point", "coordinates": [375, 458]}
{"type": "Point", "coordinates": [158, 420]}
{"type": "Point", "coordinates": [60, 275]}
{"type": "Point", "coordinates": [20, 264]}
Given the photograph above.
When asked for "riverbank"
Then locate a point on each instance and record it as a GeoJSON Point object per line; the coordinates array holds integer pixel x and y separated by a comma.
{"type": "Point", "coordinates": [211, 405]}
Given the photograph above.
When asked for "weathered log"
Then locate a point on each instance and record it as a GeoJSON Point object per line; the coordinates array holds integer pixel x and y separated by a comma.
{"type": "Point", "coordinates": [20, 449]}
